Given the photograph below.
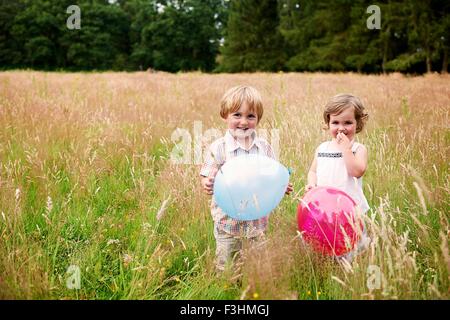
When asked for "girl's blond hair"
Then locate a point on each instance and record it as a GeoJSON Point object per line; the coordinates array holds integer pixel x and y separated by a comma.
{"type": "Point", "coordinates": [342, 101]}
{"type": "Point", "coordinates": [233, 99]}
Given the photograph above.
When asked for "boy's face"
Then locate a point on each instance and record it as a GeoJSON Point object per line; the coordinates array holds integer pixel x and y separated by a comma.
{"type": "Point", "coordinates": [344, 122]}
{"type": "Point", "coordinates": [243, 122]}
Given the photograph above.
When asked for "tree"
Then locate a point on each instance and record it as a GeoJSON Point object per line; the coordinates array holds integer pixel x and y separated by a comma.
{"type": "Point", "coordinates": [419, 35]}
{"type": "Point", "coordinates": [443, 39]}
{"type": "Point", "coordinates": [181, 35]}
{"type": "Point", "coordinates": [252, 39]}
{"type": "Point", "coordinates": [364, 45]}
{"type": "Point", "coordinates": [10, 52]}
{"type": "Point", "coordinates": [102, 42]}
{"type": "Point", "coordinates": [37, 29]}
{"type": "Point", "coordinates": [316, 33]}
{"type": "Point", "coordinates": [238, 35]}
{"type": "Point", "coordinates": [141, 13]}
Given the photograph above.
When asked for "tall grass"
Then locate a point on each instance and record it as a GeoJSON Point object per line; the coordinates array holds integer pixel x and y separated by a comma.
{"type": "Point", "coordinates": [86, 180]}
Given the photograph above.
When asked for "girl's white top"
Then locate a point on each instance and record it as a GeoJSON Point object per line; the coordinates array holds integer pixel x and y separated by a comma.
{"type": "Point", "coordinates": [331, 171]}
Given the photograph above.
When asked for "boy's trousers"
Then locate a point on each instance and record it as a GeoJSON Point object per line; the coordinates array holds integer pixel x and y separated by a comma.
{"type": "Point", "coordinates": [229, 247]}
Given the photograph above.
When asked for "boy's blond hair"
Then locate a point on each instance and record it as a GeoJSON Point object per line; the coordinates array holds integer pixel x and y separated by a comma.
{"type": "Point", "coordinates": [233, 99]}
{"type": "Point", "coordinates": [342, 101]}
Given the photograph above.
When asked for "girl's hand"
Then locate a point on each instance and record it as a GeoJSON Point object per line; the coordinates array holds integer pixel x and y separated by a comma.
{"type": "Point", "coordinates": [309, 186]}
{"type": "Point", "coordinates": [289, 188]}
{"type": "Point", "coordinates": [343, 142]}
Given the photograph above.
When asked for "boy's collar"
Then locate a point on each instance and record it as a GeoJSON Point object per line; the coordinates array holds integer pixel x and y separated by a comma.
{"type": "Point", "coordinates": [232, 144]}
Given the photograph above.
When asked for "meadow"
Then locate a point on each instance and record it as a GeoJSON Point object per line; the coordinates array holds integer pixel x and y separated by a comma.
{"type": "Point", "coordinates": [87, 183]}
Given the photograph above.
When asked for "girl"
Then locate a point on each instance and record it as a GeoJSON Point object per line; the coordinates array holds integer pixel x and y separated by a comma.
{"type": "Point", "coordinates": [341, 162]}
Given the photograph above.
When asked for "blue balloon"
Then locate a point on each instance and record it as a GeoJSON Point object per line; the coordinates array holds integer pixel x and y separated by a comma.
{"type": "Point", "coordinates": [249, 187]}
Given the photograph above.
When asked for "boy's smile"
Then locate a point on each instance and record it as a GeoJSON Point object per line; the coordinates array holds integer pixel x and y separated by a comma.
{"type": "Point", "coordinates": [242, 123]}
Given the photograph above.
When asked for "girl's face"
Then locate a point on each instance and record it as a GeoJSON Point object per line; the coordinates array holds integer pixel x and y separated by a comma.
{"type": "Point", "coordinates": [344, 122]}
{"type": "Point", "coordinates": [243, 122]}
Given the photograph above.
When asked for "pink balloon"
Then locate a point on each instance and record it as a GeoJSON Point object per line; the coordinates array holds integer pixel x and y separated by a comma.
{"type": "Point", "coordinates": [326, 217]}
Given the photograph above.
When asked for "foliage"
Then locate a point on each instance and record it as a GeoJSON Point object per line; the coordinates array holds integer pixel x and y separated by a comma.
{"type": "Point", "coordinates": [227, 36]}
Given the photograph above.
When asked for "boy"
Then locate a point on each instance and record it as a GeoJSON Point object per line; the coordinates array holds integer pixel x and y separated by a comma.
{"type": "Point", "coordinates": [241, 109]}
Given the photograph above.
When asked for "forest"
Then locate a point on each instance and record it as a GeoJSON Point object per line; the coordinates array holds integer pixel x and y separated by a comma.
{"type": "Point", "coordinates": [408, 36]}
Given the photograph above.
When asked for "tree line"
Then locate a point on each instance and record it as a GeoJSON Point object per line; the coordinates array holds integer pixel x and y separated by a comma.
{"type": "Point", "coordinates": [226, 35]}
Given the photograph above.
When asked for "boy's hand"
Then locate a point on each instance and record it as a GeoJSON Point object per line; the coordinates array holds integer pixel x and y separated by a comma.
{"type": "Point", "coordinates": [208, 182]}
{"type": "Point", "coordinates": [289, 188]}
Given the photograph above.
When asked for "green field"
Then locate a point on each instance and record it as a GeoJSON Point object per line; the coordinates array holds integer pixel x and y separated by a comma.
{"type": "Point", "coordinates": [86, 180]}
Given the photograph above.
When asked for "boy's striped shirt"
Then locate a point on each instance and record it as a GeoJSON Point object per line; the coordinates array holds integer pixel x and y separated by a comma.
{"type": "Point", "coordinates": [218, 152]}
